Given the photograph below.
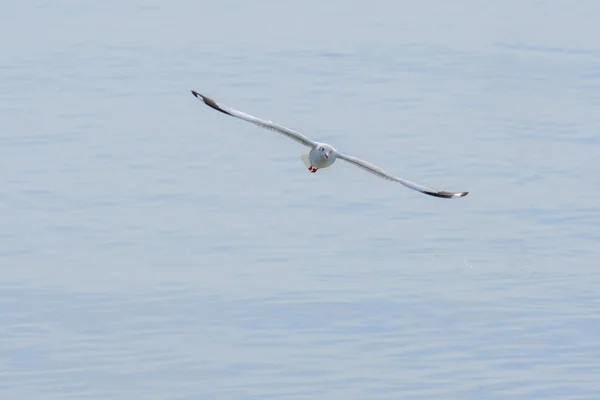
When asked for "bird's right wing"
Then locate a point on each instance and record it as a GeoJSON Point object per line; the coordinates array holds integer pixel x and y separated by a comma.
{"type": "Point", "coordinates": [257, 121]}
{"type": "Point", "coordinates": [411, 185]}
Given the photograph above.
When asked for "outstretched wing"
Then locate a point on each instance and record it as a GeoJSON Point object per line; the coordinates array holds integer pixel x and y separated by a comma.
{"type": "Point", "coordinates": [257, 121]}
{"type": "Point", "coordinates": [411, 185]}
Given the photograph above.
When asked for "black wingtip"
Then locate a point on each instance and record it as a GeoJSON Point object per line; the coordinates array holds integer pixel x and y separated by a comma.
{"type": "Point", "coordinates": [209, 102]}
{"type": "Point", "coordinates": [447, 195]}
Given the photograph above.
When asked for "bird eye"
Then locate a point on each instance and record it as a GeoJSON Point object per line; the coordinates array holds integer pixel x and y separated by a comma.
{"type": "Point", "coordinates": [321, 149]}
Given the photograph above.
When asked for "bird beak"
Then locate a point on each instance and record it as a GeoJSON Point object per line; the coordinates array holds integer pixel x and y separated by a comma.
{"type": "Point", "coordinates": [326, 155]}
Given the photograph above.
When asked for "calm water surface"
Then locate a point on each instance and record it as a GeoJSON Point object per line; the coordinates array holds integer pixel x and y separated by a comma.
{"type": "Point", "coordinates": [153, 248]}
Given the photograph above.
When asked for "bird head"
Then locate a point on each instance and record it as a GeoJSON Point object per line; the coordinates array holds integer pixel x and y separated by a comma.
{"type": "Point", "coordinates": [326, 151]}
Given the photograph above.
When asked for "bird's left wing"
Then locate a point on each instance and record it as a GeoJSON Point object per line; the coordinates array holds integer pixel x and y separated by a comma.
{"type": "Point", "coordinates": [411, 185]}
{"type": "Point", "coordinates": [257, 121]}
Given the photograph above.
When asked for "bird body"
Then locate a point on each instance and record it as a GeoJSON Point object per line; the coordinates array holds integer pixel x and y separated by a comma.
{"type": "Point", "coordinates": [323, 155]}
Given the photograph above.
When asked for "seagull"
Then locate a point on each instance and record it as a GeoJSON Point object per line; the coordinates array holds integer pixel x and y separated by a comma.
{"type": "Point", "coordinates": [323, 155]}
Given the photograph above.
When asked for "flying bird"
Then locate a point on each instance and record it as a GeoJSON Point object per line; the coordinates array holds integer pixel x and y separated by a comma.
{"type": "Point", "coordinates": [323, 155]}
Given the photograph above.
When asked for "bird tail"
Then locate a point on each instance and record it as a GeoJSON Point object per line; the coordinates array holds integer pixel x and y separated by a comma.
{"type": "Point", "coordinates": [305, 160]}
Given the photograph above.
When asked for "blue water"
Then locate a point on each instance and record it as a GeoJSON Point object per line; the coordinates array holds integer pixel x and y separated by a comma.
{"type": "Point", "coordinates": [153, 248]}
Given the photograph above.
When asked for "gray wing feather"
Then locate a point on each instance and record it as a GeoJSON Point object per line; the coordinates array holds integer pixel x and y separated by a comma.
{"type": "Point", "coordinates": [257, 121]}
{"type": "Point", "coordinates": [411, 185]}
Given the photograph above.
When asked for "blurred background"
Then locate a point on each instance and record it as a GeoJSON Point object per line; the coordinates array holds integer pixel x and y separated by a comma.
{"type": "Point", "coordinates": [153, 248]}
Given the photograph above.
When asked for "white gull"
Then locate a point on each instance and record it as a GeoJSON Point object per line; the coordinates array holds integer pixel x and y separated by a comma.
{"type": "Point", "coordinates": [323, 155]}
